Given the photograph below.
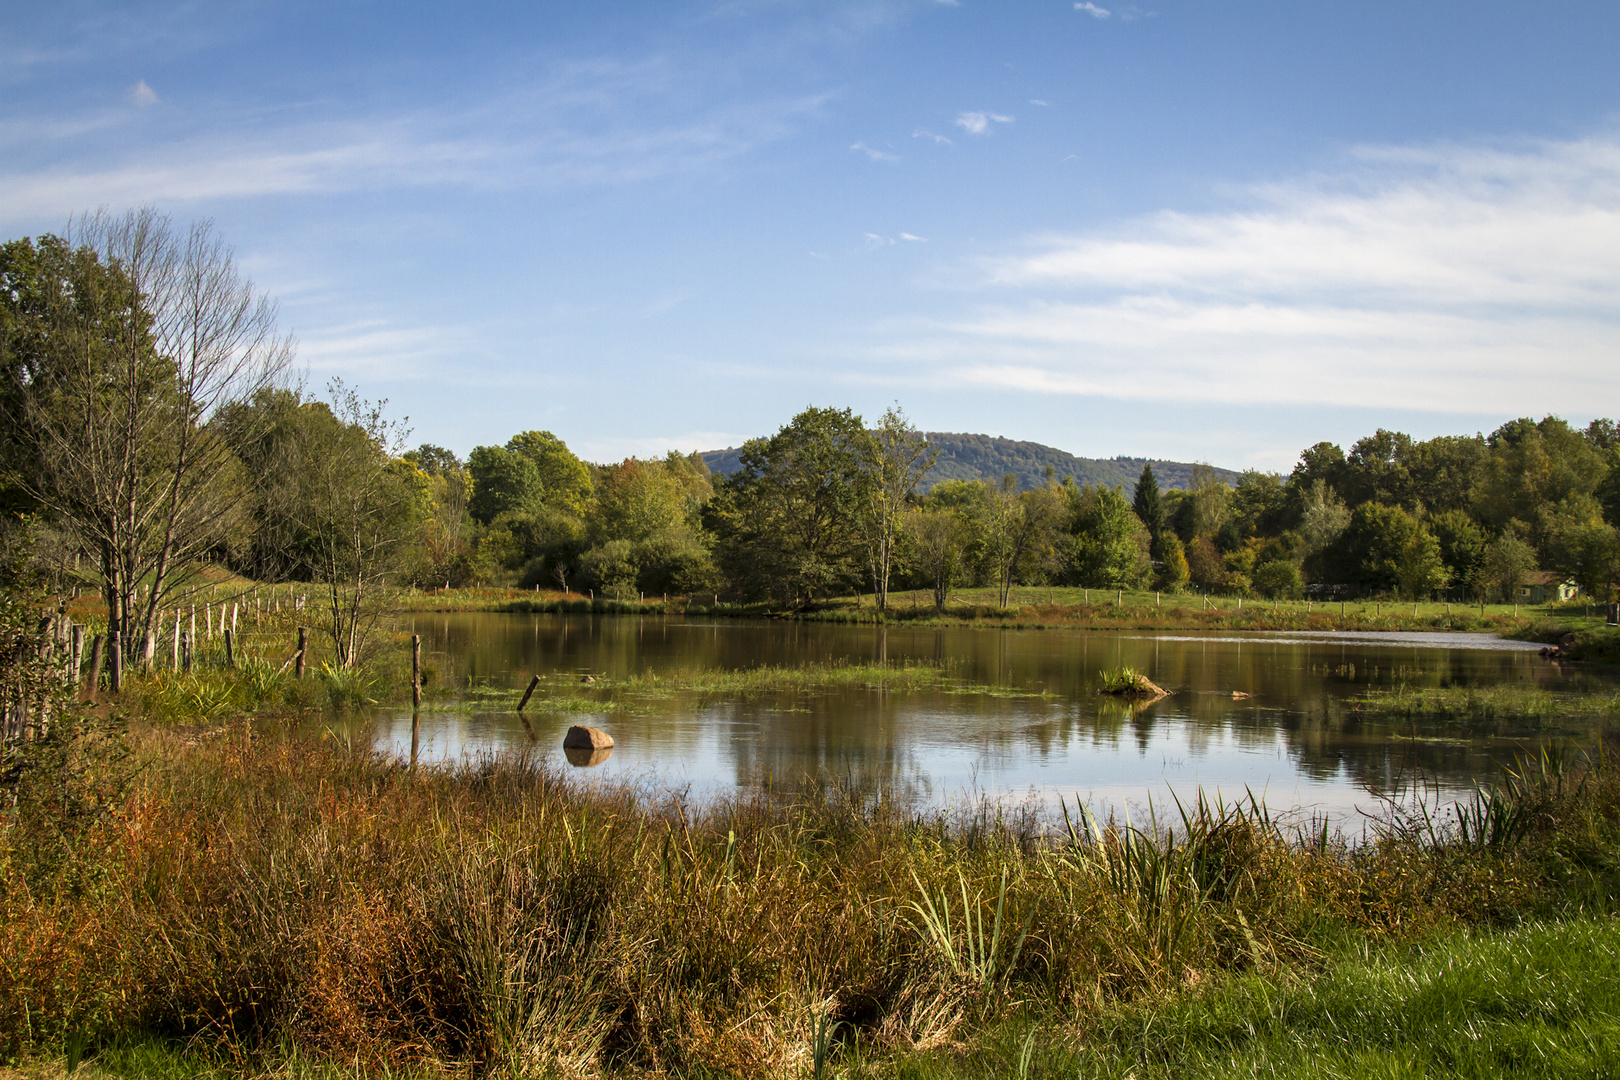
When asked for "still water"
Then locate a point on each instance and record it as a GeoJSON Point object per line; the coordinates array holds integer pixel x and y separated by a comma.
{"type": "Point", "coordinates": [1040, 732]}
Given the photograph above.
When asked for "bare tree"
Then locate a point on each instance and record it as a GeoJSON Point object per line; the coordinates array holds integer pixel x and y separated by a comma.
{"type": "Point", "coordinates": [897, 458]}
{"type": "Point", "coordinates": [356, 506]}
{"type": "Point", "coordinates": [152, 330]}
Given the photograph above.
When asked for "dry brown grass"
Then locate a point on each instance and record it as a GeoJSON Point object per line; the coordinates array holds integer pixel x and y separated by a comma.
{"type": "Point", "coordinates": [262, 894]}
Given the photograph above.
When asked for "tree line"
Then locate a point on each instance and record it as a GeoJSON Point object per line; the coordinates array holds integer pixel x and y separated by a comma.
{"type": "Point", "coordinates": [151, 427]}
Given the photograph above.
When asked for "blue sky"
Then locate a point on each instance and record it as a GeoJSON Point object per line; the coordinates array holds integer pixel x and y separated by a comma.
{"type": "Point", "coordinates": [1188, 230]}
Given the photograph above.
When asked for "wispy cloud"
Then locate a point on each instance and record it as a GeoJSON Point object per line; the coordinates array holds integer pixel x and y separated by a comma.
{"type": "Point", "coordinates": [142, 95]}
{"type": "Point", "coordinates": [583, 127]}
{"type": "Point", "coordinates": [979, 123]}
{"type": "Point", "coordinates": [914, 239]}
{"type": "Point", "coordinates": [1093, 10]}
{"type": "Point", "coordinates": [1039, 101]}
{"type": "Point", "coordinates": [922, 133]}
{"type": "Point", "coordinates": [874, 153]}
{"type": "Point", "coordinates": [1445, 278]}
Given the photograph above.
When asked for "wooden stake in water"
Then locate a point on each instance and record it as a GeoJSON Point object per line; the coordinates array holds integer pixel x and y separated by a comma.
{"type": "Point", "coordinates": [527, 694]}
{"type": "Point", "coordinates": [416, 672]}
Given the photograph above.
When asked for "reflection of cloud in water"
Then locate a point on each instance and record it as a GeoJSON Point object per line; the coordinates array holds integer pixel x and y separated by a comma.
{"type": "Point", "coordinates": [1297, 739]}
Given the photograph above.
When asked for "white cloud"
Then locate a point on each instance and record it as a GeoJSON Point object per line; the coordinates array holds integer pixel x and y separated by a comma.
{"type": "Point", "coordinates": [1446, 278]}
{"type": "Point", "coordinates": [1093, 10]}
{"type": "Point", "coordinates": [871, 241]}
{"type": "Point", "coordinates": [142, 95]}
{"type": "Point", "coordinates": [921, 133]}
{"type": "Point", "coordinates": [545, 136]}
{"type": "Point", "coordinates": [1040, 102]}
{"type": "Point", "coordinates": [874, 153]}
{"type": "Point", "coordinates": [914, 239]}
{"type": "Point", "coordinates": [978, 123]}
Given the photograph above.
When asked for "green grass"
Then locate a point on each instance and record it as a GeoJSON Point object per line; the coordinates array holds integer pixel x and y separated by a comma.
{"type": "Point", "coordinates": [1542, 999]}
{"type": "Point", "coordinates": [1507, 701]}
{"type": "Point", "coordinates": [1539, 1000]}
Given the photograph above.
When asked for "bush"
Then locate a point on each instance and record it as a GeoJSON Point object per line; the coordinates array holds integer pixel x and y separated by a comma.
{"type": "Point", "coordinates": [1279, 581]}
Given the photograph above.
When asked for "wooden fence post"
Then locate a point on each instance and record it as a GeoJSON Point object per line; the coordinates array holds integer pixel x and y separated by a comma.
{"type": "Point", "coordinates": [185, 651]}
{"type": "Point", "coordinates": [97, 648]}
{"type": "Point", "coordinates": [115, 662]}
{"type": "Point", "coordinates": [416, 671]}
{"type": "Point", "coordinates": [303, 645]}
{"type": "Point", "coordinates": [230, 657]}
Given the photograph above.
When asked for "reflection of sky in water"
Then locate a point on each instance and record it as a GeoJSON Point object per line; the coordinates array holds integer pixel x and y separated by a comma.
{"type": "Point", "coordinates": [1294, 744]}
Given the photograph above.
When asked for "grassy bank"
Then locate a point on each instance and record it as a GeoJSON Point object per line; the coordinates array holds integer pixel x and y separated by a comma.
{"type": "Point", "coordinates": [1032, 607]}
{"type": "Point", "coordinates": [265, 901]}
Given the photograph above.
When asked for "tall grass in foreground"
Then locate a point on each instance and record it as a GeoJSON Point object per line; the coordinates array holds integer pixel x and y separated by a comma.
{"type": "Point", "coordinates": [267, 899]}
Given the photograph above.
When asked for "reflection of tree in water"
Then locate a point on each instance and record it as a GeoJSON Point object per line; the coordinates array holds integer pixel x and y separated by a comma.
{"type": "Point", "coordinates": [810, 741]}
{"type": "Point", "coordinates": [874, 740]}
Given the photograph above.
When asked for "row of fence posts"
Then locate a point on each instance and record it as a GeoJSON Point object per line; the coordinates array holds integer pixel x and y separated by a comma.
{"type": "Point", "coordinates": [25, 711]}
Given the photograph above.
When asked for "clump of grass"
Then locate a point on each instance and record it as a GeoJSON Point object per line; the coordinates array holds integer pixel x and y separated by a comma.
{"type": "Point", "coordinates": [1126, 681]}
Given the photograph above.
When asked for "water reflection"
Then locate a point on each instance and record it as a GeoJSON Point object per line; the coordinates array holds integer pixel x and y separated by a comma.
{"type": "Point", "coordinates": [1295, 739]}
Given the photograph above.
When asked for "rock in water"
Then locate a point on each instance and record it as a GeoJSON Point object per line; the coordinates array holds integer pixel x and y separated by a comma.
{"type": "Point", "coordinates": [584, 737]}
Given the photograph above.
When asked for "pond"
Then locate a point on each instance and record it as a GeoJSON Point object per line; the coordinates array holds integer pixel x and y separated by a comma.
{"type": "Point", "coordinates": [1019, 719]}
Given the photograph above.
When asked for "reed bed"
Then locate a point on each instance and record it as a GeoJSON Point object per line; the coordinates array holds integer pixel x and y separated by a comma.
{"type": "Point", "coordinates": [258, 897]}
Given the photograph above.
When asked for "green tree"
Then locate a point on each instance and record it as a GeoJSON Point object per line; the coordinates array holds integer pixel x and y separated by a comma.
{"type": "Point", "coordinates": [565, 479]}
{"type": "Point", "coordinates": [502, 482]}
{"type": "Point", "coordinates": [358, 507]}
{"type": "Point", "coordinates": [1149, 507]}
{"type": "Point", "coordinates": [1462, 547]}
{"type": "Point", "coordinates": [1533, 467]}
{"type": "Point", "coordinates": [1174, 572]}
{"type": "Point", "coordinates": [1376, 470]}
{"type": "Point", "coordinates": [1509, 561]}
{"type": "Point", "coordinates": [1259, 504]}
{"type": "Point", "coordinates": [1371, 550]}
{"type": "Point", "coordinates": [1279, 580]}
{"type": "Point", "coordinates": [1109, 546]}
{"type": "Point", "coordinates": [939, 537]}
{"type": "Point", "coordinates": [1420, 569]}
{"type": "Point", "coordinates": [896, 459]}
{"type": "Point", "coordinates": [786, 523]}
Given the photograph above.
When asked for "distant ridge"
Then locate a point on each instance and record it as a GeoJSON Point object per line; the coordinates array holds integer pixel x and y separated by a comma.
{"type": "Point", "coordinates": [989, 457]}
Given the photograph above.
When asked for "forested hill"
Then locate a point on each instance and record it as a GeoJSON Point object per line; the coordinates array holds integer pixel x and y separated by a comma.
{"type": "Point", "coordinates": [986, 457]}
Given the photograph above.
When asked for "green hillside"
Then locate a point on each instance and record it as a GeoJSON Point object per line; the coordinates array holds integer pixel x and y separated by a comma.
{"type": "Point", "coordinates": [988, 457]}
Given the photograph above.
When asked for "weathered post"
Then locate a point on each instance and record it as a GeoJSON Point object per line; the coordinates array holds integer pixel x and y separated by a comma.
{"type": "Point", "coordinates": [230, 656]}
{"type": "Point", "coordinates": [416, 671]}
{"type": "Point", "coordinates": [527, 694]}
{"type": "Point", "coordinates": [115, 662]}
{"type": "Point", "coordinates": [303, 647]}
{"type": "Point", "coordinates": [174, 661]}
{"type": "Point", "coordinates": [185, 651]}
{"type": "Point", "coordinates": [97, 647]}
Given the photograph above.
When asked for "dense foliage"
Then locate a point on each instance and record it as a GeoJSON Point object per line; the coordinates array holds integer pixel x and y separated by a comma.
{"type": "Point", "coordinates": [184, 454]}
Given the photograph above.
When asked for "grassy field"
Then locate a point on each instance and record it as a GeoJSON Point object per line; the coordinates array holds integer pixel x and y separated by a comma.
{"type": "Point", "coordinates": [180, 901]}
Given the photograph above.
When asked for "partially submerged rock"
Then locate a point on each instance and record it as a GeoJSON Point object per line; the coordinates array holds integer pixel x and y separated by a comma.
{"type": "Point", "coordinates": [585, 737]}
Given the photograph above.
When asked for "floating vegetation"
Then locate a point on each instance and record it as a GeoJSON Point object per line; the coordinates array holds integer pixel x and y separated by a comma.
{"type": "Point", "coordinates": [1508, 701]}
